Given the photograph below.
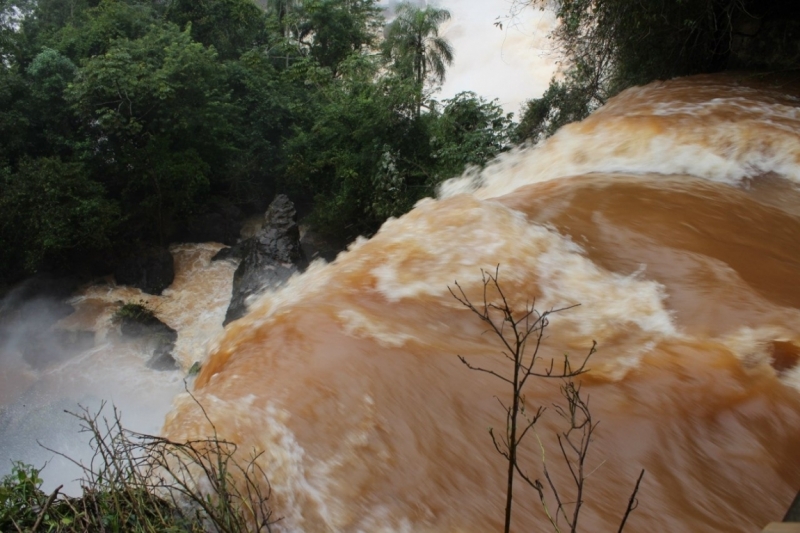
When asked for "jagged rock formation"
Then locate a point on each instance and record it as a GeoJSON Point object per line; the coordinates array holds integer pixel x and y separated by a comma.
{"type": "Point", "coordinates": [137, 322]}
{"type": "Point", "coordinates": [268, 259]}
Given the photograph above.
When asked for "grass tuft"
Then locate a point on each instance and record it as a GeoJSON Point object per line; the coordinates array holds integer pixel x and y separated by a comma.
{"type": "Point", "coordinates": [142, 483]}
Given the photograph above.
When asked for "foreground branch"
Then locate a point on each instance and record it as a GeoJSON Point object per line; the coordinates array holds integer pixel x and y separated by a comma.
{"type": "Point", "coordinates": [520, 334]}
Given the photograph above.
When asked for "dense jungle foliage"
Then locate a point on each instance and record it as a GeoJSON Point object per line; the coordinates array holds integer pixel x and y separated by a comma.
{"type": "Point", "coordinates": [606, 46]}
{"type": "Point", "coordinates": [123, 119]}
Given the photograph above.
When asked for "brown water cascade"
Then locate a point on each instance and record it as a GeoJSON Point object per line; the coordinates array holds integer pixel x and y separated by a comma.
{"type": "Point", "coordinates": [672, 215]}
{"type": "Point", "coordinates": [34, 395]}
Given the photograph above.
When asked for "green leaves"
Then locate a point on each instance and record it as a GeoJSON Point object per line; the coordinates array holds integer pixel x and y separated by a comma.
{"type": "Point", "coordinates": [157, 109]}
{"type": "Point", "coordinates": [610, 45]}
{"type": "Point", "coordinates": [469, 132]}
{"type": "Point", "coordinates": [232, 27]}
{"type": "Point", "coordinates": [125, 118]}
{"type": "Point", "coordinates": [415, 49]}
{"type": "Point", "coordinates": [334, 31]}
{"type": "Point", "coordinates": [145, 85]}
{"type": "Point", "coordinates": [20, 496]}
{"type": "Point", "coordinates": [49, 208]}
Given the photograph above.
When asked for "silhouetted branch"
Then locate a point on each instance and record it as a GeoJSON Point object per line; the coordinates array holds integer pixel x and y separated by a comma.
{"type": "Point", "coordinates": [514, 328]}
{"type": "Point", "coordinates": [633, 503]}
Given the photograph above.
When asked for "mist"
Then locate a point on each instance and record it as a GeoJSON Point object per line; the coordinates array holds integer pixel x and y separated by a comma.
{"type": "Point", "coordinates": [60, 352]}
{"type": "Point", "coordinates": [48, 370]}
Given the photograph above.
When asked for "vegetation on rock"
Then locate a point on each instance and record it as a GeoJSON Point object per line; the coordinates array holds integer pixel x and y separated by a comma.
{"type": "Point", "coordinates": [135, 312]}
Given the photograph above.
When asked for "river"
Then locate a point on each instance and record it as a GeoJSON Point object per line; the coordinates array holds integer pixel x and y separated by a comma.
{"type": "Point", "coordinates": [671, 215]}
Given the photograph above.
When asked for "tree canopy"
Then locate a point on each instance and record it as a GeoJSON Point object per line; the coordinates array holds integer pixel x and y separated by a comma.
{"type": "Point", "coordinates": [415, 48]}
{"type": "Point", "coordinates": [124, 120]}
{"type": "Point", "coordinates": [606, 46]}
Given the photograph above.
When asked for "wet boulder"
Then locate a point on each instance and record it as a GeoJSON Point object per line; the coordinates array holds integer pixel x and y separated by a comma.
{"type": "Point", "coordinates": [137, 322]}
{"type": "Point", "coordinates": [151, 271]}
{"type": "Point", "coordinates": [269, 258]}
{"type": "Point", "coordinates": [230, 253]}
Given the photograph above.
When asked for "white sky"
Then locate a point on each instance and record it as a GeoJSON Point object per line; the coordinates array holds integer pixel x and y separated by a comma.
{"type": "Point", "coordinates": [513, 64]}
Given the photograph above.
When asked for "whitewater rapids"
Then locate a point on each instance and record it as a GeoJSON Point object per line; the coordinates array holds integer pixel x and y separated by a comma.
{"type": "Point", "coordinates": [672, 215]}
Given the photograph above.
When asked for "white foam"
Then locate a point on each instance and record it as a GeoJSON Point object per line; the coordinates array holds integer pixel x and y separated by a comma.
{"type": "Point", "coordinates": [723, 139]}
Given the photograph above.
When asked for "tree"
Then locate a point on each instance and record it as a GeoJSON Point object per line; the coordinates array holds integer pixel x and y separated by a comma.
{"type": "Point", "coordinates": [266, 109]}
{"type": "Point", "coordinates": [469, 131]}
{"type": "Point", "coordinates": [97, 28]}
{"type": "Point", "coordinates": [607, 46]}
{"type": "Point", "coordinates": [363, 155]}
{"type": "Point", "coordinates": [49, 211]}
{"type": "Point", "coordinates": [52, 122]}
{"type": "Point", "coordinates": [280, 9]}
{"type": "Point", "coordinates": [333, 30]}
{"type": "Point", "coordinates": [563, 102]}
{"type": "Point", "coordinates": [14, 119]}
{"type": "Point", "coordinates": [232, 27]}
{"type": "Point", "coordinates": [415, 48]}
{"type": "Point", "coordinates": [156, 111]}
{"type": "Point", "coordinates": [521, 334]}
{"type": "Point", "coordinates": [12, 13]}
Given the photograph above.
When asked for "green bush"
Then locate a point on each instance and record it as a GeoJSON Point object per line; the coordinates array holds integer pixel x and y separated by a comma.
{"type": "Point", "coordinates": [134, 312]}
{"type": "Point", "coordinates": [138, 483]}
{"type": "Point", "coordinates": [49, 210]}
{"type": "Point", "coordinates": [20, 497]}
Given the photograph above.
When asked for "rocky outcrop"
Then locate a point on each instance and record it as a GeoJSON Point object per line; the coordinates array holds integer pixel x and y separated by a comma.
{"type": "Point", "coordinates": [269, 258]}
{"type": "Point", "coordinates": [137, 322]}
{"type": "Point", "coordinates": [152, 271]}
{"type": "Point", "coordinates": [232, 253]}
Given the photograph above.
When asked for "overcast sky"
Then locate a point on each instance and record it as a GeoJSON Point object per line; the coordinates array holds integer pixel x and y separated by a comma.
{"type": "Point", "coordinates": [513, 64]}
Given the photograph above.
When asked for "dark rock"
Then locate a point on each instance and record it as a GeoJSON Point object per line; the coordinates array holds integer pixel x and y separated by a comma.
{"type": "Point", "coordinates": [163, 360]}
{"type": "Point", "coordinates": [158, 336]}
{"type": "Point", "coordinates": [152, 271]}
{"type": "Point", "coordinates": [231, 253]}
{"type": "Point", "coordinates": [269, 258]}
{"type": "Point", "coordinates": [222, 225]}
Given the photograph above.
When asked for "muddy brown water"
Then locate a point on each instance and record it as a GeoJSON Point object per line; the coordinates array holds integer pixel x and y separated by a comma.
{"type": "Point", "coordinates": [671, 215]}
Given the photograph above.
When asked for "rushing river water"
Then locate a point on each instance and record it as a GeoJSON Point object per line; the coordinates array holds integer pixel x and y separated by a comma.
{"type": "Point", "coordinates": [35, 391]}
{"type": "Point", "coordinates": [671, 215]}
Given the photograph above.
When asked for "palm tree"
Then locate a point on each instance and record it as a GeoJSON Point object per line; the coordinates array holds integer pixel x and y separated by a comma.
{"type": "Point", "coordinates": [415, 48]}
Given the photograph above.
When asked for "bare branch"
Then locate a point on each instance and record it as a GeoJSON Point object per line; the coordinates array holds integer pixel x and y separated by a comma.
{"type": "Point", "coordinates": [514, 329]}
{"type": "Point", "coordinates": [633, 503]}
